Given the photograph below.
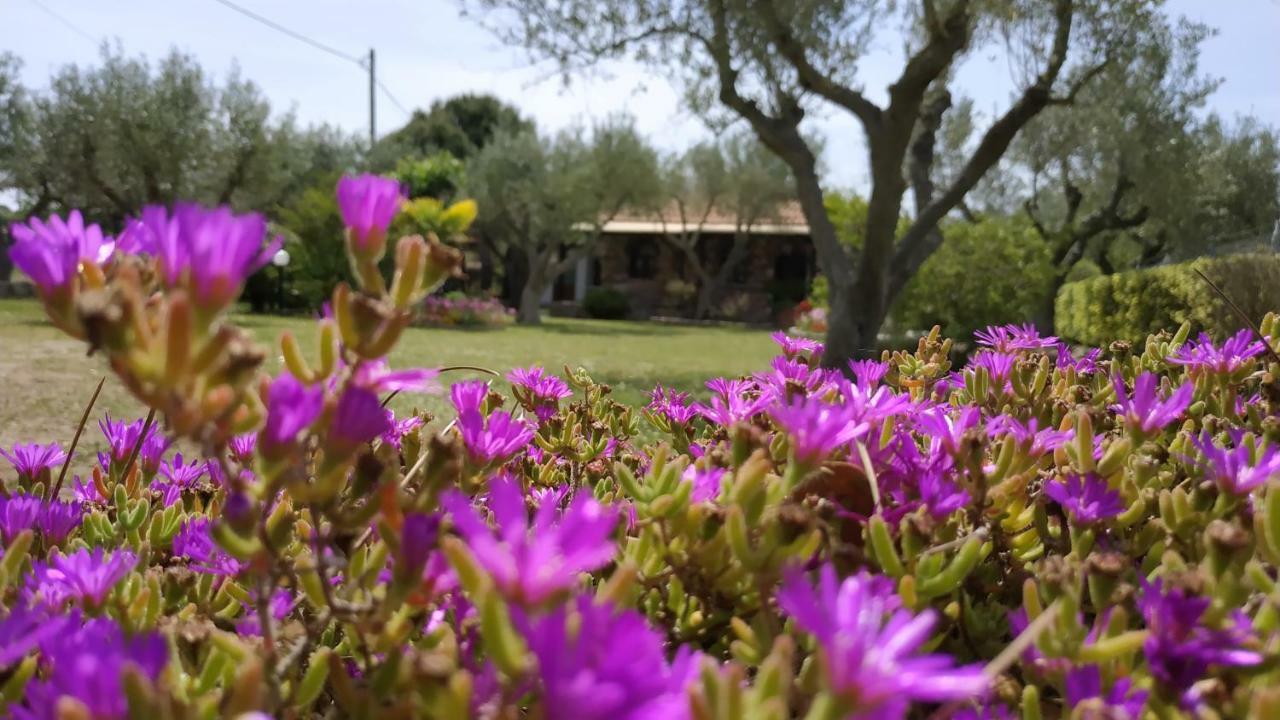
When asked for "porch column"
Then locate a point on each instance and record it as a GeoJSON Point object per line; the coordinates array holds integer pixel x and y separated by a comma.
{"type": "Point", "coordinates": [581, 278]}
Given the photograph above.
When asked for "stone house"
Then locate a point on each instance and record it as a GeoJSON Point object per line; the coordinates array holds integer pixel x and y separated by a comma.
{"type": "Point", "coordinates": [636, 256]}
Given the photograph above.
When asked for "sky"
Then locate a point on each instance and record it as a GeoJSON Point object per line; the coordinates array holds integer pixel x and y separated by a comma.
{"type": "Point", "coordinates": [426, 50]}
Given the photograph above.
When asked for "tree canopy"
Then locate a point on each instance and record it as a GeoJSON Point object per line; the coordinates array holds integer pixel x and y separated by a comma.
{"type": "Point", "coordinates": [544, 199]}
{"type": "Point", "coordinates": [773, 63]}
{"type": "Point", "coordinates": [111, 138]}
{"type": "Point", "coordinates": [460, 126]}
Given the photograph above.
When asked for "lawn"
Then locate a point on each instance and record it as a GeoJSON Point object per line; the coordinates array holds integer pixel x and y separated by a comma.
{"type": "Point", "coordinates": [47, 378]}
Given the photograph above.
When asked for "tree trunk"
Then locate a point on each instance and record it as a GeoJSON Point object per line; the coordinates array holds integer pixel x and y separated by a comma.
{"type": "Point", "coordinates": [712, 286]}
{"type": "Point", "coordinates": [515, 275]}
{"type": "Point", "coordinates": [1046, 317]}
{"type": "Point", "coordinates": [530, 312]}
{"type": "Point", "coordinates": [708, 293]}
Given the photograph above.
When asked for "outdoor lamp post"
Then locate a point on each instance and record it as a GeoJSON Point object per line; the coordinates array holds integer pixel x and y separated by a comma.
{"type": "Point", "coordinates": [281, 261]}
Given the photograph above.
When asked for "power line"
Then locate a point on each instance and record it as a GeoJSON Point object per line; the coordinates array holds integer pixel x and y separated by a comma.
{"type": "Point", "coordinates": [393, 99]}
{"type": "Point", "coordinates": [293, 34]}
{"type": "Point", "coordinates": [67, 23]}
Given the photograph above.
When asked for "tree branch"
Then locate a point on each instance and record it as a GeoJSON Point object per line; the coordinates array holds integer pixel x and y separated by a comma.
{"type": "Point", "coordinates": [813, 79]}
{"type": "Point", "coordinates": [914, 246]}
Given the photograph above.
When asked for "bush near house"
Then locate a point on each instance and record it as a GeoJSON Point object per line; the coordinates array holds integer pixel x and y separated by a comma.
{"type": "Point", "coordinates": [1131, 305]}
{"type": "Point", "coordinates": [603, 303]}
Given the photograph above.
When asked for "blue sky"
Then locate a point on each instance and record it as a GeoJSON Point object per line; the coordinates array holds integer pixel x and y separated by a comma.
{"type": "Point", "coordinates": [427, 51]}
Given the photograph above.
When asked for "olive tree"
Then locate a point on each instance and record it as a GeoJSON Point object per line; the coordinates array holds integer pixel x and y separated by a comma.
{"type": "Point", "coordinates": [773, 62]}
{"type": "Point", "coordinates": [111, 138]}
{"type": "Point", "coordinates": [733, 178]}
{"type": "Point", "coordinates": [546, 199]}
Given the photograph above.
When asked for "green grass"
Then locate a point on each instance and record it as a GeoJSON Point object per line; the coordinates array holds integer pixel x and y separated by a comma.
{"type": "Point", "coordinates": [45, 377]}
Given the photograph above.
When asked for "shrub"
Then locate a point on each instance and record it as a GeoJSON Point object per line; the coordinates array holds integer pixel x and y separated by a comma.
{"type": "Point", "coordinates": [1103, 530]}
{"type": "Point", "coordinates": [458, 310]}
{"type": "Point", "coordinates": [1131, 305]}
{"type": "Point", "coordinates": [605, 303]}
{"type": "Point", "coordinates": [987, 273]}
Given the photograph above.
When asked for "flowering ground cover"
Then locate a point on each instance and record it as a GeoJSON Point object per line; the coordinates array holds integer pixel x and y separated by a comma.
{"type": "Point", "coordinates": [48, 377]}
{"type": "Point", "coordinates": [1041, 533]}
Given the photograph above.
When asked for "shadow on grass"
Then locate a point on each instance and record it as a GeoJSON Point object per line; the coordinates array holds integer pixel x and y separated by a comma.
{"type": "Point", "coordinates": [606, 328]}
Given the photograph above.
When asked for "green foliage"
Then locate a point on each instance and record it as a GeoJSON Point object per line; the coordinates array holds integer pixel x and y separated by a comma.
{"type": "Point", "coordinates": [545, 198]}
{"type": "Point", "coordinates": [992, 272]}
{"type": "Point", "coordinates": [429, 216]}
{"type": "Point", "coordinates": [460, 126]}
{"type": "Point", "coordinates": [1131, 305]}
{"type": "Point", "coordinates": [126, 133]}
{"type": "Point", "coordinates": [605, 303]}
{"type": "Point", "coordinates": [314, 233]}
{"type": "Point", "coordinates": [438, 176]}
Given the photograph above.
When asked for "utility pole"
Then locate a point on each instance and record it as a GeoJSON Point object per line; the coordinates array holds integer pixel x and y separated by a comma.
{"type": "Point", "coordinates": [373, 117]}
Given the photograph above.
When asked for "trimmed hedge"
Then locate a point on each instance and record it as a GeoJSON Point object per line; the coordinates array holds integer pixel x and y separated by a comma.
{"type": "Point", "coordinates": [1132, 305]}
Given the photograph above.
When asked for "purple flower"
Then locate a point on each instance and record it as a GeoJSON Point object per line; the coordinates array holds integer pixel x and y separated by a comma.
{"type": "Point", "coordinates": [421, 561]}
{"type": "Point", "coordinates": [377, 375]}
{"type": "Point", "coordinates": [1179, 650]}
{"type": "Point", "coordinates": [734, 401]}
{"type": "Point", "coordinates": [706, 482]}
{"type": "Point", "coordinates": [940, 496]}
{"type": "Point", "coordinates": [85, 576]}
{"type": "Point", "coordinates": [1144, 410]}
{"type": "Point", "coordinates": [195, 543]}
{"type": "Point", "coordinates": [1234, 353]}
{"type": "Point", "coordinates": [54, 519]}
{"type": "Point", "coordinates": [50, 252]}
{"type": "Point", "coordinates": [533, 564]}
{"type": "Point", "coordinates": [180, 475]}
{"type": "Point", "coordinates": [86, 491]}
{"type": "Point", "coordinates": [538, 391]}
{"type": "Point", "coordinates": [88, 664]}
{"type": "Point", "coordinates": [1121, 702]}
{"type": "Point", "coordinates": [397, 429]}
{"type": "Point", "coordinates": [999, 366]}
{"type": "Point", "coordinates": [871, 644]}
{"type": "Point", "coordinates": [795, 346]}
{"type": "Point", "coordinates": [791, 376]}
{"type": "Point", "coordinates": [487, 439]}
{"type": "Point", "coordinates": [468, 396]}
{"type": "Point", "coordinates": [33, 461]}
{"type": "Point", "coordinates": [1234, 469]}
{"type": "Point", "coordinates": [242, 447]}
{"type": "Point", "coordinates": [1009, 338]}
{"type": "Point", "coordinates": [596, 662]}
{"type": "Point", "coordinates": [1036, 442]}
{"type": "Point", "coordinates": [212, 251]}
{"type": "Point", "coordinates": [817, 429]}
{"type": "Point", "coordinates": [368, 204]}
{"type": "Point", "coordinates": [946, 431]}
{"type": "Point", "coordinates": [18, 513]}
{"type": "Point", "coordinates": [280, 604]}
{"type": "Point", "coordinates": [671, 405]}
{"type": "Point", "coordinates": [868, 373]}
{"type": "Point", "coordinates": [1087, 498]}
{"type": "Point", "coordinates": [122, 437]}
{"type": "Point", "coordinates": [1086, 364]}
{"type": "Point", "coordinates": [152, 452]}
{"type": "Point", "coordinates": [25, 629]}
{"type": "Point", "coordinates": [59, 520]}
{"type": "Point", "coordinates": [291, 408]}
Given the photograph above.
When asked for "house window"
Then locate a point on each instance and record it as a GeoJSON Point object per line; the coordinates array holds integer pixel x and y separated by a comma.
{"type": "Point", "coordinates": [642, 258]}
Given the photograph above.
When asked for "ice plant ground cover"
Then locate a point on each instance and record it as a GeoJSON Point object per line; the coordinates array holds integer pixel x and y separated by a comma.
{"type": "Point", "coordinates": [1041, 533]}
